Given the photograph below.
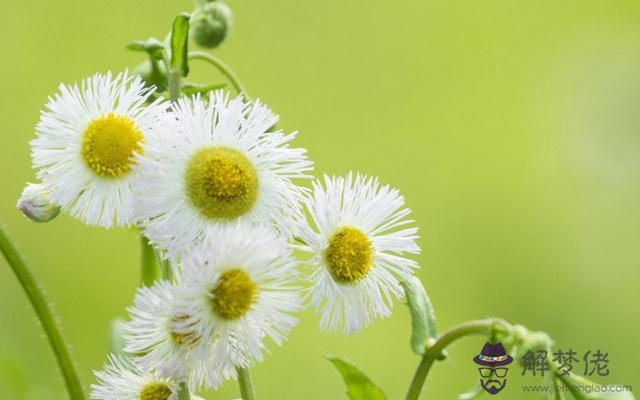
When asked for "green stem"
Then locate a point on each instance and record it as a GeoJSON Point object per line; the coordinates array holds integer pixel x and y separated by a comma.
{"type": "Point", "coordinates": [479, 327]}
{"type": "Point", "coordinates": [223, 68]}
{"type": "Point", "coordinates": [183, 392]}
{"type": "Point", "coordinates": [246, 387]}
{"type": "Point", "coordinates": [41, 307]}
{"type": "Point", "coordinates": [147, 262]}
{"type": "Point", "coordinates": [175, 85]}
{"type": "Point", "coordinates": [165, 268]}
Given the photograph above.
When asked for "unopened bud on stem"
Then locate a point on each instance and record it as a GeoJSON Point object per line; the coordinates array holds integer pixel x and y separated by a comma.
{"type": "Point", "coordinates": [35, 204]}
{"type": "Point", "coordinates": [153, 73]}
{"type": "Point", "coordinates": [210, 24]}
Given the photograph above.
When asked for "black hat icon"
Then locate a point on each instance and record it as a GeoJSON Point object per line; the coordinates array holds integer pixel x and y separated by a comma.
{"type": "Point", "coordinates": [493, 355]}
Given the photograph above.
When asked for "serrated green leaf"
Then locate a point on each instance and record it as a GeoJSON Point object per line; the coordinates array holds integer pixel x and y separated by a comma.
{"type": "Point", "coordinates": [180, 44]}
{"type": "Point", "coordinates": [190, 88]}
{"type": "Point", "coordinates": [359, 386]}
{"type": "Point", "coordinates": [423, 320]}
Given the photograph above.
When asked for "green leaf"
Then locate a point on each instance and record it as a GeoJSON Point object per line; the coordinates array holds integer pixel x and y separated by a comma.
{"type": "Point", "coordinates": [151, 46]}
{"type": "Point", "coordinates": [359, 386]}
{"type": "Point", "coordinates": [423, 320]}
{"type": "Point", "coordinates": [180, 44]}
{"type": "Point", "coordinates": [116, 337]}
{"type": "Point", "coordinates": [191, 88]}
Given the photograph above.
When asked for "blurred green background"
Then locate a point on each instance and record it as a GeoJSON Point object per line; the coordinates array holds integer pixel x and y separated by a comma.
{"type": "Point", "coordinates": [512, 128]}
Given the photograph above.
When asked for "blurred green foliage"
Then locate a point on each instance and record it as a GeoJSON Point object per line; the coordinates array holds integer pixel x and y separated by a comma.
{"type": "Point", "coordinates": [512, 128]}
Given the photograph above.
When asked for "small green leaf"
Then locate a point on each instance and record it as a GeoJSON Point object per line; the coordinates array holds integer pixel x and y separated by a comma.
{"type": "Point", "coordinates": [180, 44]}
{"type": "Point", "coordinates": [116, 337]}
{"type": "Point", "coordinates": [359, 386]}
{"type": "Point", "coordinates": [423, 320]}
{"type": "Point", "coordinates": [190, 88]}
{"type": "Point", "coordinates": [136, 46]}
{"type": "Point", "coordinates": [151, 46]}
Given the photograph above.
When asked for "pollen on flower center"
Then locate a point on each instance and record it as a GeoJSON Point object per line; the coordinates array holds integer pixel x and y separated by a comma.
{"type": "Point", "coordinates": [108, 144]}
{"type": "Point", "coordinates": [180, 337]}
{"type": "Point", "coordinates": [233, 294]}
{"type": "Point", "coordinates": [349, 255]}
{"type": "Point", "coordinates": [155, 391]}
{"type": "Point", "coordinates": [221, 182]}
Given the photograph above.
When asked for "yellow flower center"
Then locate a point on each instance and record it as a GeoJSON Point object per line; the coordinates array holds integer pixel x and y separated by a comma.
{"type": "Point", "coordinates": [349, 255]}
{"type": "Point", "coordinates": [155, 391]}
{"type": "Point", "coordinates": [108, 144]}
{"type": "Point", "coordinates": [180, 338]}
{"type": "Point", "coordinates": [221, 183]}
{"type": "Point", "coordinates": [233, 294]}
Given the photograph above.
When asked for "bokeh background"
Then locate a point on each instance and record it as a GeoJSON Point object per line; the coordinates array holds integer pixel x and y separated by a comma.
{"type": "Point", "coordinates": [512, 128]}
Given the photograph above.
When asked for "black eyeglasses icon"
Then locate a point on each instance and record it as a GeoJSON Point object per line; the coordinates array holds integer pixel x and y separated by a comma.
{"type": "Point", "coordinates": [499, 372]}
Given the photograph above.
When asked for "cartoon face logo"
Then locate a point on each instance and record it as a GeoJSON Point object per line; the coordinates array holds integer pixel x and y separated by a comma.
{"type": "Point", "coordinates": [493, 373]}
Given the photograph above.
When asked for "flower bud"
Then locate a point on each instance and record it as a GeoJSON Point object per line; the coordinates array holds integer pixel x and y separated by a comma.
{"type": "Point", "coordinates": [153, 73]}
{"type": "Point", "coordinates": [210, 24]}
{"type": "Point", "coordinates": [35, 204]}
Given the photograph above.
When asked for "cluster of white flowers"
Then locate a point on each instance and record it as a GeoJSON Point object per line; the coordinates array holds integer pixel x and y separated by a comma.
{"type": "Point", "coordinates": [216, 191]}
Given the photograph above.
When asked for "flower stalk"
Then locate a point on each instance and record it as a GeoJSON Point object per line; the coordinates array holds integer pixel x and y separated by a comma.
{"type": "Point", "coordinates": [223, 68]}
{"type": "Point", "coordinates": [147, 262]}
{"type": "Point", "coordinates": [246, 386]}
{"type": "Point", "coordinates": [45, 316]}
{"type": "Point", "coordinates": [183, 392]}
{"type": "Point", "coordinates": [478, 327]}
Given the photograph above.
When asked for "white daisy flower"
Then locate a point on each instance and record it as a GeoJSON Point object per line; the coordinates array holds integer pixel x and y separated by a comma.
{"type": "Point", "coordinates": [86, 139]}
{"type": "Point", "coordinates": [216, 165]}
{"type": "Point", "coordinates": [161, 335]}
{"type": "Point", "coordinates": [358, 250]}
{"type": "Point", "coordinates": [237, 290]}
{"type": "Point", "coordinates": [121, 379]}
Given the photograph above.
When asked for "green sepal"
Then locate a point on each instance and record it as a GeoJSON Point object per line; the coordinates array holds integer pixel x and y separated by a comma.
{"type": "Point", "coordinates": [359, 386]}
{"type": "Point", "coordinates": [180, 44]}
{"type": "Point", "coordinates": [151, 46]}
{"type": "Point", "coordinates": [192, 88]}
{"type": "Point", "coordinates": [423, 320]}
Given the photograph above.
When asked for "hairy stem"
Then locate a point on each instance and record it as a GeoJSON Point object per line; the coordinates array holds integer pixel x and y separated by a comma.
{"type": "Point", "coordinates": [147, 262]}
{"type": "Point", "coordinates": [222, 67]}
{"type": "Point", "coordinates": [246, 387]}
{"type": "Point", "coordinates": [479, 327]}
{"type": "Point", "coordinates": [49, 324]}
